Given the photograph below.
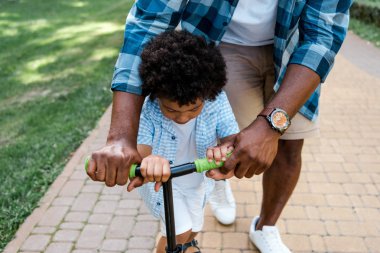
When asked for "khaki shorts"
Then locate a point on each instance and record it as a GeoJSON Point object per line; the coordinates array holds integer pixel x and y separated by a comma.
{"type": "Point", "coordinates": [250, 74]}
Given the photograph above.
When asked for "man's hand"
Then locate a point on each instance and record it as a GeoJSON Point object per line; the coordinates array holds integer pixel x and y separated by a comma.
{"type": "Point", "coordinates": [255, 150]}
{"type": "Point", "coordinates": [112, 163]}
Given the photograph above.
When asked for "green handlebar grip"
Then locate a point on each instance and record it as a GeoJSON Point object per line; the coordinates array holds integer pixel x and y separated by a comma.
{"type": "Point", "coordinates": [86, 163]}
{"type": "Point", "coordinates": [132, 171]}
{"type": "Point", "coordinates": [204, 165]}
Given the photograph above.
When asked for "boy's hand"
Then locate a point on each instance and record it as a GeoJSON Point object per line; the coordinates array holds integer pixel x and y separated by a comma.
{"type": "Point", "coordinates": [219, 153]}
{"type": "Point", "coordinates": [153, 169]}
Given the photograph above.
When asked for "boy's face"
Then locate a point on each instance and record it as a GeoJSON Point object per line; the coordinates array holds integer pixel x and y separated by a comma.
{"type": "Point", "coordinates": [180, 114]}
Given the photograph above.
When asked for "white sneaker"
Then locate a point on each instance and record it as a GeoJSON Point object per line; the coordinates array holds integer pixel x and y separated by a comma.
{"type": "Point", "coordinates": [222, 202]}
{"type": "Point", "coordinates": [268, 239]}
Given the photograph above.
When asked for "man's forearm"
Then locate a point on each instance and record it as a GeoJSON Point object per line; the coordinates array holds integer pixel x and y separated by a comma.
{"type": "Point", "coordinates": [298, 85]}
{"type": "Point", "coordinates": [126, 111]}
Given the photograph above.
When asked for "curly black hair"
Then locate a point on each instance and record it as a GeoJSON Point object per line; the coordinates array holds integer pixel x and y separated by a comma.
{"type": "Point", "coordinates": [182, 67]}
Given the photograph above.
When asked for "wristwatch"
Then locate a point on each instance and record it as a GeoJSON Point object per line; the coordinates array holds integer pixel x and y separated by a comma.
{"type": "Point", "coordinates": [278, 119]}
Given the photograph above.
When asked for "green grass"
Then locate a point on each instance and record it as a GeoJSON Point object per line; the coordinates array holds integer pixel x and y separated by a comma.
{"type": "Point", "coordinates": [56, 63]}
{"type": "Point", "coordinates": [366, 31]}
{"type": "Point", "coordinates": [375, 3]}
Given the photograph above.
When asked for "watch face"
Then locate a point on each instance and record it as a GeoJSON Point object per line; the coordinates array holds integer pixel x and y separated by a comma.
{"type": "Point", "coordinates": [280, 120]}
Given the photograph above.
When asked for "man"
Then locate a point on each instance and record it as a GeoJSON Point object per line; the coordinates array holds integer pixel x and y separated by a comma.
{"type": "Point", "coordinates": [306, 36]}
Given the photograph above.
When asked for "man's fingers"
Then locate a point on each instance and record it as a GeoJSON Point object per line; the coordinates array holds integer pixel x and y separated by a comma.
{"type": "Point", "coordinates": [100, 172]}
{"type": "Point", "coordinates": [217, 175]}
{"type": "Point", "coordinates": [230, 164]}
{"type": "Point", "coordinates": [122, 174]}
{"type": "Point", "coordinates": [111, 175]}
{"type": "Point", "coordinates": [91, 169]}
{"type": "Point", "coordinates": [241, 170]}
{"type": "Point", "coordinates": [135, 182]}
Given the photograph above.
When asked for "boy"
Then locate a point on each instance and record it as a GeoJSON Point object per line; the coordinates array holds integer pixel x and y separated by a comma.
{"type": "Point", "coordinates": [184, 116]}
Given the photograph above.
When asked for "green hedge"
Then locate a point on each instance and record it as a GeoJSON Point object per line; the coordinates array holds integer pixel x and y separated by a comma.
{"type": "Point", "coordinates": [368, 13]}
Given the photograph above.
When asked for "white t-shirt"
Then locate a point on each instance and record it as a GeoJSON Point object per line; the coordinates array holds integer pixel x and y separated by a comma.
{"type": "Point", "coordinates": [186, 153]}
{"type": "Point", "coordinates": [253, 23]}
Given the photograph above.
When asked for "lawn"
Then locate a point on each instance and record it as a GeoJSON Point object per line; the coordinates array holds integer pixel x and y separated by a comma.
{"type": "Point", "coordinates": [366, 31]}
{"type": "Point", "coordinates": [56, 63]}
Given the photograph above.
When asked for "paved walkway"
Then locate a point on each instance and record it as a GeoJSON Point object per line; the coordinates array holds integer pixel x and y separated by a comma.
{"type": "Point", "coordinates": [335, 207]}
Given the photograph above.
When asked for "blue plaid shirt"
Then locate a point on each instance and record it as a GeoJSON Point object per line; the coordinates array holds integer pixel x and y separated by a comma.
{"type": "Point", "coordinates": [216, 121]}
{"type": "Point", "coordinates": [307, 33]}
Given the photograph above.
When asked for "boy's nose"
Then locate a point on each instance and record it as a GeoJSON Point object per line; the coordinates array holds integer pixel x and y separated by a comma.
{"type": "Point", "coordinates": [182, 119]}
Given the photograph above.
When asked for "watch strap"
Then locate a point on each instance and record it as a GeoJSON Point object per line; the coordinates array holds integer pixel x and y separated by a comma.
{"type": "Point", "coordinates": [266, 112]}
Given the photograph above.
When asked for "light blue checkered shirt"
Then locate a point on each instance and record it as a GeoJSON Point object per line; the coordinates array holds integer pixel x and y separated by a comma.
{"type": "Point", "coordinates": [216, 121]}
{"type": "Point", "coordinates": [307, 32]}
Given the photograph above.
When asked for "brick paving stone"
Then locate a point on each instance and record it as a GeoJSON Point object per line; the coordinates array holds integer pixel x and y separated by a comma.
{"type": "Point", "coordinates": [77, 217]}
{"type": "Point", "coordinates": [53, 216]}
{"type": "Point", "coordinates": [66, 235]}
{"type": "Point", "coordinates": [130, 203]}
{"type": "Point", "coordinates": [144, 228]}
{"type": "Point", "coordinates": [114, 190]}
{"type": "Point", "coordinates": [85, 202]}
{"type": "Point", "coordinates": [332, 228]}
{"type": "Point", "coordinates": [110, 197]}
{"type": "Point", "coordinates": [114, 245]}
{"type": "Point", "coordinates": [79, 175]}
{"type": "Point", "coordinates": [141, 243]}
{"type": "Point", "coordinates": [35, 243]}
{"type": "Point", "coordinates": [59, 247]}
{"type": "Point", "coordinates": [93, 188]}
{"type": "Point", "coordinates": [317, 243]}
{"type": "Point", "coordinates": [339, 200]}
{"type": "Point", "coordinates": [305, 227]}
{"type": "Point", "coordinates": [71, 188]}
{"type": "Point", "coordinates": [368, 214]}
{"type": "Point", "coordinates": [372, 244]}
{"type": "Point", "coordinates": [370, 201]}
{"type": "Point", "coordinates": [100, 218]}
{"type": "Point", "coordinates": [308, 199]}
{"type": "Point", "coordinates": [63, 201]}
{"type": "Point", "coordinates": [128, 212]}
{"type": "Point", "coordinates": [291, 212]}
{"type": "Point", "coordinates": [43, 230]}
{"type": "Point", "coordinates": [354, 189]}
{"type": "Point", "coordinates": [120, 227]}
{"type": "Point", "coordinates": [345, 244]}
{"type": "Point", "coordinates": [138, 251]}
{"type": "Point", "coordinates": [354, 228]}
{"type": "Point", "coordinates": [91, 237]}
{"type": "Point", "coordinates": [71, 225]}
{"type": "Point", "coordinates": [297, 243]}
{"type": "Point", "coordinates": [105, 206]}
{"type": "Point", "coordinates": [84, 251]}
{"type": "Point", "coordinates": [210, 239]}
{"type": "Point", "coordinates": [337, 213]}
{"type": "Point", "coordinates": [235, 240]}
{"type": "Point", "coordinates": [243, 224]}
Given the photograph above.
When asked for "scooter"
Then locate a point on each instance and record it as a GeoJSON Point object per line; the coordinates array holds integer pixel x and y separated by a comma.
{"type": "Point", "coordinates": [199, 166]}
